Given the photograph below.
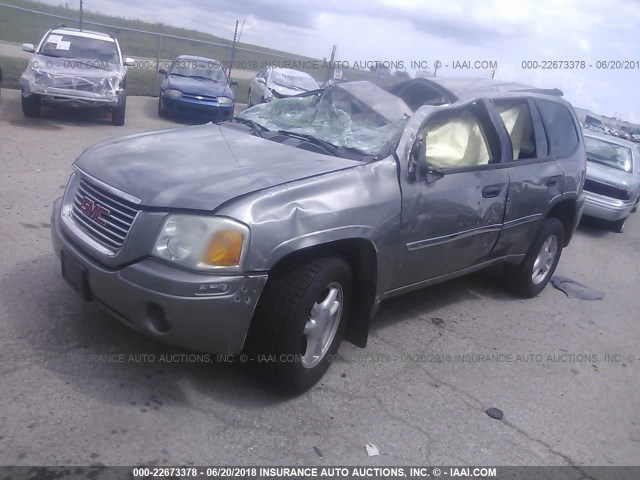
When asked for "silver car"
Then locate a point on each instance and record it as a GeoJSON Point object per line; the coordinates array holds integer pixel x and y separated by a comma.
{"type": "Point", "coordinates": [612, 188]}
{"type": "Point", "coordinates": [279, 233]}
{"type": "Point", "coordinates": [271, 83]}
{"type": "Point", "coordinates": [75, 68]}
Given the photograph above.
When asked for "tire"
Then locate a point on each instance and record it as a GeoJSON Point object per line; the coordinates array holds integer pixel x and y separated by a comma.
{"type": "Point", "coordinates": [117, 116]}
{"type": "Point", "coordinates": [161, 112]}
{"type": "Point", "coordinates": [529, 278]}
{"type": "Point", "coordinates": [618, 225]}
{"type": "Point", "coordinates": [279, 347]}
{"type": "Point", "coordinates": [31, 105]}
{"type": "Point", "coordinates": [635, 207]}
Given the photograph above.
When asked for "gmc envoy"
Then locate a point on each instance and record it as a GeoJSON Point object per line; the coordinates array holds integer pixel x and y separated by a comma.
{"type": "Point", "coordinates": [279, 233]}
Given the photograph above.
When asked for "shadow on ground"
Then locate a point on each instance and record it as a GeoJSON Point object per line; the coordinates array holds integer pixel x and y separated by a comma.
{"type": "Point", "coordinates": [82, 344]}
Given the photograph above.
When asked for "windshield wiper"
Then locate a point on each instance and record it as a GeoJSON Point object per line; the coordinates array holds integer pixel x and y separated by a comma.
{"type": "Point", "coordinates": [255, 126]}
{"type": "Point", "coordinates": [327, 146]}
{"type": "Point", "coordinates": [178, 74]}
{"type": "Point", "coordinates": [51, 55]}
{"type": "Point", "coordinates": [202, 77]}
{"type": "Point", "coordinates": [332, 149]}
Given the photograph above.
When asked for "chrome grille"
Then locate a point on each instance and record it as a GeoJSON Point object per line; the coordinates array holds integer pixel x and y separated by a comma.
{"type": "Point", "coordinates": [110, 229]}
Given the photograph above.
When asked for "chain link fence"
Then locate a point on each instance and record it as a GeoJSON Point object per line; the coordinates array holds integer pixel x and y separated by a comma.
{"type": "Point", "coordinates": [153, 50]}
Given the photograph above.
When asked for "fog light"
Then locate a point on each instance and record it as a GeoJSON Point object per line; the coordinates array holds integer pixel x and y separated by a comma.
{"type": "Point", "coordinates": [212, 289]}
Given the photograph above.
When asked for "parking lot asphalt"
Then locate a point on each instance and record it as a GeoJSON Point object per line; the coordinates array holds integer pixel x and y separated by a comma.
{"type": "Point", "coordinates": [79, 388]}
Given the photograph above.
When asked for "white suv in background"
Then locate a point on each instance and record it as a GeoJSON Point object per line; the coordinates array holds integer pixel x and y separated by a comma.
{"type": "Point", "coordinates": [76, 68]}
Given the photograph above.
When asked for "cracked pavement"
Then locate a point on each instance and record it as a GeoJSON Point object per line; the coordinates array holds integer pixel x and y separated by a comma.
{"type": "Point", "coordinates": [408, 392]}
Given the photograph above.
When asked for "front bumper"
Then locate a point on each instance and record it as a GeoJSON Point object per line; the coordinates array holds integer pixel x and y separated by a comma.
{"type": "Point", "coordinates": [163, 302]}
{"type": "Point", "coordinates": [606, 208]}
{"type": "Point", "coordinates": [70, 96]}
{"type": "Point", "coordinates": [188, 106]}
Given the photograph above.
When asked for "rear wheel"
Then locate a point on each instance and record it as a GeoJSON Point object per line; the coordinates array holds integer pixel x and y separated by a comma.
{"type": "Point", "coordinates": [299, 323]}
{"type": "Point", "coordinates": [530, 277]}
{"type": "Point", "coordinates": [31, 105]}
{"type": "Point", "coordinates": [618, 225]}
{"type": "Point", "coordinates": [117, 116]}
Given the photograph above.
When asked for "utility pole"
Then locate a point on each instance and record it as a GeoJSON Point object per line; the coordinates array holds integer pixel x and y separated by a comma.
{"type": "Point", "coordinates": [80, 15]}
{"type": "Point", "coordinates": [331, 62]}
{"type": "Point", "coordinates": [233, 51]}
{"type": "Point", "coordinates": [493, 73]}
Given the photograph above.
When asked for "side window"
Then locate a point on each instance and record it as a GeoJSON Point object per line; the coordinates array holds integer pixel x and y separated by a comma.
{"type": "Point", "coordinates": [516, 116]}
{"type": "Point", "coordinates": [456, 141]}
{"type": "Point", "coordinates": [558, 123]}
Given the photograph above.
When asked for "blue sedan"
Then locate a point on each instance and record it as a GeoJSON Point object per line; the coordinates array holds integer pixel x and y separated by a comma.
{"type": "Point", "coordinates": [196, 87]}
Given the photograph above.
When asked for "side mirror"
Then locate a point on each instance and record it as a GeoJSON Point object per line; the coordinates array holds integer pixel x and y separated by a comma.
{"type": "Point", "coordinates": [233, 83]}
{"type": "Point", "coordinates": [162, 71]}
{"type": "Point", "coordinates": [433, 175]}
{"type": "Point", "coordinates": [419, 169]}
{"type": "Point", "coordinates": [129, 62]}
{"type": "Point", "coordinates": [261, 80]}
{"type": "Point", "coordinates": [28, 47]}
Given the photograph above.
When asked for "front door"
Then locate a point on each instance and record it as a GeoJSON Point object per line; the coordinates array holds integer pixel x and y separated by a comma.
{"type": "Point", "coordinates": [452, 214]}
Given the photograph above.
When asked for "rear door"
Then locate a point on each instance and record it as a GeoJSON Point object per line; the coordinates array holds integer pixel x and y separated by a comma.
{"type": "Point", "coordinates": [535, 177]}
{"type": "Point", "coordinates": [452, 214]}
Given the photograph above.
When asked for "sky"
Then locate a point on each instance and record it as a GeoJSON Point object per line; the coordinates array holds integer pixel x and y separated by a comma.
{"type": "Point", "coordinates": [508, 32]}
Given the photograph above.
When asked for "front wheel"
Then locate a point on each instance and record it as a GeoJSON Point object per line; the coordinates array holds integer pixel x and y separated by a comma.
{"type": "Point", "coordinates": [117, 116]}
{"type": "Point", "coordinates": [161, 113]}
{"type": "Point", "coordinates": [530, 277]}
{"type": "Point", "coordinates": [31, 105]}
{"type": "Point", "coordinates": [299, 323]}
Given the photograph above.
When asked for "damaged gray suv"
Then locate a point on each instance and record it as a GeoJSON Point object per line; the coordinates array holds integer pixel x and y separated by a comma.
{"type": "Point", "coordinates": [76, 68]}
{"type": "Point", "coordinates": [276, 235]}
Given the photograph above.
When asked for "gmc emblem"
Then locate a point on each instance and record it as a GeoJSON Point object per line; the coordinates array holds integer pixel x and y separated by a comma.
{"type": "Point", "coordinates": [94, 211]}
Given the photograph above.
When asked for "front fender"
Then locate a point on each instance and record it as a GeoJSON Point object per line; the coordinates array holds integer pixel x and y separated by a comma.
{"type": "Point", "coordinates": [358, 203]}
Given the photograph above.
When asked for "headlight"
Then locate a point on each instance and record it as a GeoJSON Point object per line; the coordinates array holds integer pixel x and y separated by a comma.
{"type": "Point", "coordinates": [203, 243]}
{"type": "Point", "coordinates": [225, 101]}
{"type": "Point", "coordinates": [170, 92]}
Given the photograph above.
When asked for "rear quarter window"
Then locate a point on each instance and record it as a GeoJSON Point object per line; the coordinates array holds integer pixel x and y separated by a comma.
{"type": "Point", "coordinates": [562, 135]}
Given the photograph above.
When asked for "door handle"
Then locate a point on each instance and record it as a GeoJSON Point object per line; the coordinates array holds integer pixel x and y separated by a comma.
{"type": "Point", "coordinates": [491, 192]}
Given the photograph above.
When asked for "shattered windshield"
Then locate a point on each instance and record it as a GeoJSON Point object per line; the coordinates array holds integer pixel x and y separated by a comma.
{"type": "Point", "coordinates": [609, 154]}
{"type": "Point", "coordinates": [357, 115]}
{"type": "Point", "coordinates": [206, 69]}
{"type": "Point", "coordinates": [82, 48]}
{"type": "Point", "coordinates": [293, 79]}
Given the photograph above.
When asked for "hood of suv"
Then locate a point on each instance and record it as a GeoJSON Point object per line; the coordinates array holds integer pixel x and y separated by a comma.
{"type": "Point", "coordinates": [200, 167]}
